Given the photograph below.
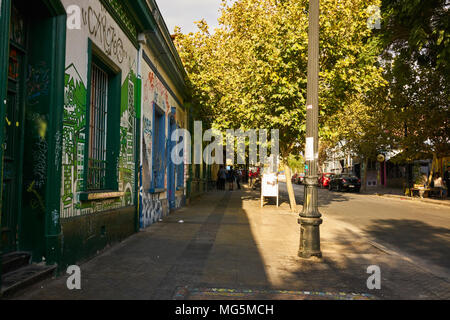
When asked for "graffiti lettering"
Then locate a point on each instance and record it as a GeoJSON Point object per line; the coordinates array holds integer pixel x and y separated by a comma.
{"type": "Point", "coordinates": [98, 27]}
{"type": "Point", "coordinates": [151, 209]}
{"type": "Point", "coordinates": [40, 162]}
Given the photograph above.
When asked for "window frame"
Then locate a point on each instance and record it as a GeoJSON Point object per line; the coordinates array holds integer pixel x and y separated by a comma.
{"type": "Point", "coordinates": [98, 128]}
{"type": "Point", "coordinates": [97, 57]}
{"type": "Point", "coordinates": [160, 147]}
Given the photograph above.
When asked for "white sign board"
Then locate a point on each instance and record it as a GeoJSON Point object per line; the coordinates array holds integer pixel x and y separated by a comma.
{"type": "Point", "coordinates": [269, 186]}
{"type": "Point", "coordinates": [309, 152]}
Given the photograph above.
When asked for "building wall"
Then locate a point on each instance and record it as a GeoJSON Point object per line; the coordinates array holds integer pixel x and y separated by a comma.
{"type": "Point", "coordinates": [155, 94]}
{"type": "Point", "coordinates": [99, 27]}
{"type": "Point", "coordinates": [64, 223]}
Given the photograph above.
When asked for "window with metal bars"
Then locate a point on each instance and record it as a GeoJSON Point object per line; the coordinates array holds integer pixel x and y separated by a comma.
{"type": "Point", "coordinates": [96, 179]}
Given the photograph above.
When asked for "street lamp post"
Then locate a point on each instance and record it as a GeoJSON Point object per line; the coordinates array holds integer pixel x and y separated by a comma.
{"type": "Point", "coordinates": [309, 218]}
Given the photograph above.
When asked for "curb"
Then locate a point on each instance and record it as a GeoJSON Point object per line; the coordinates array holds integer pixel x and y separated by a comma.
{"type": "Point", "coordinates": [436, 202]}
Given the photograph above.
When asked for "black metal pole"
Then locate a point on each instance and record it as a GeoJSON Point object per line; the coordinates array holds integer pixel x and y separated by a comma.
{"type": "Point", "coordinates": [309, 219]}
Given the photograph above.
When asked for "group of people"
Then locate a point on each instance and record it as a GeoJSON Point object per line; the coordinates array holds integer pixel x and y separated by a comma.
{"type": "Point", "coordinates": [231, 176]}
{"type": "Point", "coordinates": [438, 182]}
{"type": "Point", "coordinates": [442, 183]}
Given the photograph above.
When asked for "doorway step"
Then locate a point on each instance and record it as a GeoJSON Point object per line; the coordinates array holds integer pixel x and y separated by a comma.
{"type": "Point", "coordinates": [18, 273]}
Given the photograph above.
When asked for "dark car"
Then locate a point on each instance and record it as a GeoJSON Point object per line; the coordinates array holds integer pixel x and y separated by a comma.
{"type": "Point", "coordinates": [294, 178]}
{"type": "Point", "coordinates": [300, 178]}
{"type": "Point", "coordinates": [324, 179]}
{"type": "Point", "coordinates": [344, 183]}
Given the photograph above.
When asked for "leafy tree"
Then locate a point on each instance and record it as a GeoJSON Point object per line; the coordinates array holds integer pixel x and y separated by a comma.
{"type": "Point", "coordinates": [360, 130]}
{"type": "Point", "coordinates": [418, 31]}
{"type": "Point", "coordinates": [416, 59]}
{"type": "Point", "coordinates": [411, 112]}
{"type": "Point", "coordinates": [296, 163]}
{"type": "Point", "coordinates": [251, 72]}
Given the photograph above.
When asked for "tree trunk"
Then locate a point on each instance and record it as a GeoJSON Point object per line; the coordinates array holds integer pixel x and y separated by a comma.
{"type": "Point", "coordinates": [364, 175]}
{"type": "Point", "coordinates": [433, 168]}
{"type": "Point", "coordinates": [290, 188]}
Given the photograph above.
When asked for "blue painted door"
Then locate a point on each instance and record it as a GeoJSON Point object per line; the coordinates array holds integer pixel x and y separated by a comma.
{"type": "Point", "coordinates": [171, 188]}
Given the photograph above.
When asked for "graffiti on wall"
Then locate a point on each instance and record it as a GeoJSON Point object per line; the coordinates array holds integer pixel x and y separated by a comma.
{"type": "Point", "coordinates": [151, 209]}
{"type": "Point", "coordinates": [127, 157]}
{"type": "Point", "coordinates": [100, 28]}
{"type": "Point", "coordinates": [155, 92]}
{"type": "Point", "coordinates": [154, 206]}
{"type": "Point", "coordinates": [101, 205]}
{"type": "Point", "coordinates": [37, 82]}
{"type": "Point", "coordinates": [36, 136]}
{"type": "Point", "coordinates": [58, 148]}
{"type": "Point", "coordinates": [36, 199]}
{"type": "Point", "coordinates": [36, 180]}
{"type": "Point", "coordinates": [73, 147]}
{"type": "Point", "coordinates": [146, 151]}
{"type": "Point", "coordinates": [36, 177]}
{"type": "Point", "coordinates": [74, 126]}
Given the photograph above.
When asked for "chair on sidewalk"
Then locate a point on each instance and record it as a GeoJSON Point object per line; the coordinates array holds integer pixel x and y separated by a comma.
{"type": "Point", "coordinates": [421, 190]}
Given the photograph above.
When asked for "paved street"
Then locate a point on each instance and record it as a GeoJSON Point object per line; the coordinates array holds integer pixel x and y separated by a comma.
{"type": "Point", "coordinates": [229, 248]}
{"type": "Point", "coordinates": [420, 231]}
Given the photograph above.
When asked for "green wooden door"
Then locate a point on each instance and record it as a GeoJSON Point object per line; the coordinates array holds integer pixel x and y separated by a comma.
{"type": "Point", "coordinates": [13, 142]}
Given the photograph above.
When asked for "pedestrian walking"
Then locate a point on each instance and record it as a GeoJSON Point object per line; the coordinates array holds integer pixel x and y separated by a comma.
{"type": "Point", "coordinates": [447, 180]}
{"type": "Point", "coordinates": [230, 179]}
{"type": "Point", "coordinates": [222, 176]}
{"type": "Point", "coordinates": [251, 177]}
{"type": "Point", "coordinates": [218, 180]}
{"type": "Point", "coordinates": [238, 178]}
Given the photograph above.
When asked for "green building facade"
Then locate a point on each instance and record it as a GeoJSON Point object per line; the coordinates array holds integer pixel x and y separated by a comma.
{"type": "Point", "coordinates": [80, 84]}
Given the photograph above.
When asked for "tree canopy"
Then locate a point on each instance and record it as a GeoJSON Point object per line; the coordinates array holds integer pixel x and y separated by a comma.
{"type": "Point", "coordinates": [380, 89]}
{"type": "Point", "coordinates": [416, 59]}
{"type": "Point", "coordinates": [251, 72]}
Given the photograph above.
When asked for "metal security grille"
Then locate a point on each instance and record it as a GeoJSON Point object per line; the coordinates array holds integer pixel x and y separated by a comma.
{"type": "Point", "coordinates": [131, 122]}
{"type": "Point", "coordinates": [97, 129]}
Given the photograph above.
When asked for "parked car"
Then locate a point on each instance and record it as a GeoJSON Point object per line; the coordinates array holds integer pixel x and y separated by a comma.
{"type": "Point", "coordinates": [300, 178]}
{"type": "Point", "coordinates": [324, 179]}
{"type": "Point", "coordinates": [344, 183]}
{"type": "Point", "coordinates": [294, 178]}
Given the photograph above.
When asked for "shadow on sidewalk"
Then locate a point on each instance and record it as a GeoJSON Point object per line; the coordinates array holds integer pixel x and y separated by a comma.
{"type": "Point", "coordinates": [414, 237]}
{"type": "Point", "coordinates": [346, 257]}
{"type": "Point", "coordinates": [221, 254]}
{"type": "Point", "coordinates": [213, 247]}
{"type": "Point", "coordinates": [229, 248]}
{"type": "Point", "coordinates": [255, 257]}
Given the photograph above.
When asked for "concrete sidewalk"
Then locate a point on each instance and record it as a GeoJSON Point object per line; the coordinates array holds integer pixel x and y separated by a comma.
{"type": "Point", "coordinates": [440, 202]}
{"type": "Point", "coordinates": [230, 248]}
{"type": "Point", "coordinates": [398, 193]}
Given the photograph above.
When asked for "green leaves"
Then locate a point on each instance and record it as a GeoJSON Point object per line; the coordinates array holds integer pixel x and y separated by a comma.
{"type": "Point", "coordinates": [416, 59]}
{"type": "Point", "coordinates": [251, 73]}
